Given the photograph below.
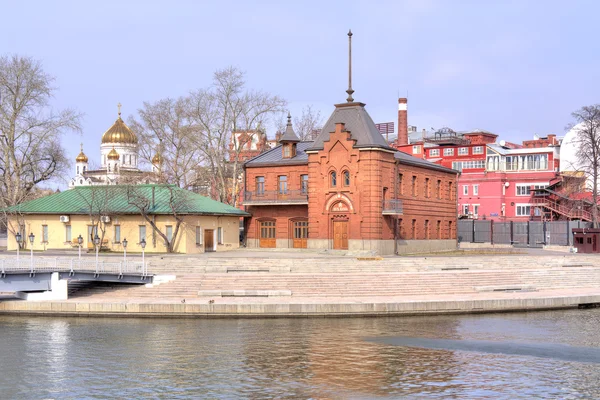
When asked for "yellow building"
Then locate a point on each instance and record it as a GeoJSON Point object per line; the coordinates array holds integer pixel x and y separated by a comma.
{"type": "Point", "coordinates": [158, 215]}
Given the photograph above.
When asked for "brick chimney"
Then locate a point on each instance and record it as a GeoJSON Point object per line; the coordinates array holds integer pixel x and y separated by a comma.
{"type": "Point", "coordinates": [402, 121]}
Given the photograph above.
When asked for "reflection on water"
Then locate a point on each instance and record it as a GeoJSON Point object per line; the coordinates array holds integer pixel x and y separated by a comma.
{"type": "Point", "coordinates": [302, 358]}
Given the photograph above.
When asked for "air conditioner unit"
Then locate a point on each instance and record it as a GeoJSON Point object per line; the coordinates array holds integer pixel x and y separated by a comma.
{"type": "Point", "coordinates": [64, 218]}
{"type": "Point", "coordinates": [105, 219]}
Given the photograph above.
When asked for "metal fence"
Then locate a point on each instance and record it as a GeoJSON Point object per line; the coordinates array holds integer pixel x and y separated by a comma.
{"type": "Point", "coordinates": [63, 264]}
{"type": "Point", "coordinates": [531, 234]}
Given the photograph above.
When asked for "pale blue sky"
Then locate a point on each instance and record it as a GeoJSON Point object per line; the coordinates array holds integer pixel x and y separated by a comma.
{"type": "Point", "coordinates": [512, 67]}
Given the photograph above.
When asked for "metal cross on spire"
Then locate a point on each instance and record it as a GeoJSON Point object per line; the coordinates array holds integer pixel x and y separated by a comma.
{"type": "Point", "coordinates": [119, 107]}
{"type": "Point", "coordinates": [350, 91]}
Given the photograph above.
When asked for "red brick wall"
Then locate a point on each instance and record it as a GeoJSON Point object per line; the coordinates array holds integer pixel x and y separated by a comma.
{"type": "Point", "coordinates": [282, 216]}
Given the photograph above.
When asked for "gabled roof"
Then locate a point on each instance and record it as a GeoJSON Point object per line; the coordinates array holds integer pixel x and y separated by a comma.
{"type": "Point", "coordinates": [356, 120]}
{"type": "Point", "coordinates": [117, 199]}
{"type": "Point", "coordinates": [275, 157]}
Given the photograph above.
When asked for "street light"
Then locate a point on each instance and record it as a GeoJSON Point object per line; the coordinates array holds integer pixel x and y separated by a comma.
{"type": "Point", "coordinates": [80, 242]}
{"type": "Point", "coordinates": [124, 242]}
{"type": "Point", "coordinates": [97, 242]}
{"type": "Point", "coordinates": [18, 237]}
{"type": "Point", "coordinates": [31, 239]}
{"type": "Point", "coordinates": [143, 244]}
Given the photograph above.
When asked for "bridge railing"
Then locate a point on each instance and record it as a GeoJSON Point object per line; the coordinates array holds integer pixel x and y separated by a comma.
{"type": "Point", "coordinates": [63, 264]}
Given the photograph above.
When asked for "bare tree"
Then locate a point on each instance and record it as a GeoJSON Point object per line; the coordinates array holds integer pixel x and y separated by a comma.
{"type": "Point", "coordinates": [98, 202]}
{"type": "Point", "coordinates": [144, 199]}
{"type": "Point", "coordinates": [30, 131]}
{"type": "Point", "coordinates": [587, 126]}
{"type": "Point", "coordinates": [306, 126]}
{"type": "Point", "coordinates": [226, 107]}
{"type": "Point", "coordinates": [164, 129]}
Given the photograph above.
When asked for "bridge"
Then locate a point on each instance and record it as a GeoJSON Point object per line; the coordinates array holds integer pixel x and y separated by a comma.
{"type": "Point", "coordinates": [47, 278]}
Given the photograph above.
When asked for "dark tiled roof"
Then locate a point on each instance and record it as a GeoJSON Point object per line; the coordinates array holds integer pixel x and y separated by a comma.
{"type": "Point", "coordinates": [419, 162]}
{"type": "Point", "coordinates": [356, 120]}
{"type": "Point", "coordinates": [289, 135]}
{"type": "Point", "coordinates": [275, 156]}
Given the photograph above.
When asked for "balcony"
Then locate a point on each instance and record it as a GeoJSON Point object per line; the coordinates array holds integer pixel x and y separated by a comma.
{"type": "Point", "coordinates": [271, 197]}
{"type": "Point", "coordinates": [392, 207]}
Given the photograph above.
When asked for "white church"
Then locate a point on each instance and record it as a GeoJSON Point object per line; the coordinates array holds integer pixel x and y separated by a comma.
{"type": "Point", "coordinates": [119, 160]}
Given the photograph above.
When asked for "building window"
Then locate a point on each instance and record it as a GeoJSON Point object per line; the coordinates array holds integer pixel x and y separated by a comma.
{"type": "Point", "coordinates": [117, 238]}
{"type": "Point", "coordinates": [438, 189]}
{"type": "Point", "coordinates": [84, 168]}
{"type": "Point", "coordinates": [198, 235]}
{"type": "Point", "coordinates": [416, 149]}
{"type": "Point", "coordinates": [465, 190]}
{"type": "Point", "coordinates": [282, 184]}
{"type": "Point", "coordinates": [450, 235]}
{"type": "Point", "coordinates": [346, 175]}
{"type": "Point", "coordinates": [465, 209]}
{"type": "Point", "coordinates": [503, 210]}
{"type": "Point", "coordinates": [67, 233]}
{"type": "Point", "coordinates": [44, 233]}
{"type": "Point", "coordinates": [400, 188]}
{"type": "Point", "coordinates": [475, 209]}
{"type": "Point", "coordinates": [414, 185]}
{"type": "Point", "coordinates": [286, 151]}
{"type": "Point", "coordinates": [478, 150]}
{"type": "Point", "coordinates": [438, 229]}
{"type": "Point", "coordinates": [449, 151]}
{"type": "Point", "coordinates": [426, 189]}
{"type": "Point", "coordinates": [434, 153]}
{"type": "Point", "coordinates": [475, 190]}
{"type": "Point", "coordinates": [333, 179]}
{"type": "Point", "coordinates": [220, 235]}
{"type": "Point", "coordinates": [260, 185]}
{"type": "Point", "coordinates": [450, 191]}
{"type": "Point", "coordinates": [523, 189]}
{"type": "Point", "coordinates": [426, 229]}
{"type": "Point", "coordinates": [414, 229]}
{"type": "Point", "coordinates": [463, 151]}
{"type": "Point", "coordinates": [169, 232]}
{"type": "Point", "coordinates": [304, 183]}
{"type": "Point", "coordinates": [142, 233]}
{"type": "Point", "coordinates": [78, 170]}
{"type": "Point", "coordinates": [523, 210]}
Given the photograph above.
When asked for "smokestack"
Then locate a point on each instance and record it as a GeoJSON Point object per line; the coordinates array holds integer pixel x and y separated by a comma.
{"type": "Point", "coordinates": [402, 121]}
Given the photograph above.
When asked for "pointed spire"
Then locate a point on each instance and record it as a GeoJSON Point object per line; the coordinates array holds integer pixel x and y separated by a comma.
{"type": "Point", "coordinates": [289, 135]}
{"type": "Point", "coordinates": [350, 99]}
{"type": "Point", "coordinates": [119, 107]}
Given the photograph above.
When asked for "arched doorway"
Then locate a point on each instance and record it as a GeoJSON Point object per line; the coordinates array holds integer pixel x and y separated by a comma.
{"type": "Point", "coordinates": [339, 225]}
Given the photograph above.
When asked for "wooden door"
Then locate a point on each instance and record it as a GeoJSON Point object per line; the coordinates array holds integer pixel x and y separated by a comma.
{"type": "Point", "coordinates": [340, 235]}
{"type": "Point", "coordinates": [209, 240]}
{"type": "Point", "coordinates": [300, 234]}
{"type": "Point", "coordinates": [267, 234]}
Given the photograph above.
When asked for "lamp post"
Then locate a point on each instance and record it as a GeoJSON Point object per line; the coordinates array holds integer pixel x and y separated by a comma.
{"type": "Point", "coordinates": [97, 243]}
{"type": "Point", "coordinates": [124, 242]}
{"type": "Point", "coordinates": [80, 242]}
{"type": "Point", "coordinates": [143, 244]}
{"type": "Point", "coordinates": [31, 239]}
{"type": "Point", "coordinates": [18, 237]}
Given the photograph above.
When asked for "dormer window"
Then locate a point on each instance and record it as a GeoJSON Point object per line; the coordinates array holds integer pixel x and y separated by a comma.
{"type": "Point", "coordinates": [287, 152]}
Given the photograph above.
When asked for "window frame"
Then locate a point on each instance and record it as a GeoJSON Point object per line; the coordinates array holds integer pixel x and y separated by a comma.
{"type": "Point", "coordinates": [260, 185]}
{"type": "Point", "coordinates": [282, 184]}
{"type": "Point", "coordinates": [463, 151]}
{"type": "Point", "coordinates": [448, 151]}
{"type": "Point", "coordinates": [434, 152]}
{"type": "Point", "coordinates": [465, 190]}
{"type": "Point", "coordinates": [333, 179]}
{"type": "Point", "coordinates": [477, 150]}
{"type": "Point", "coordinates": [346, 178]}
{"type": "Point", "coordinates": [117, 233]}
{"type": "Point", "coordinates": [476, 190]}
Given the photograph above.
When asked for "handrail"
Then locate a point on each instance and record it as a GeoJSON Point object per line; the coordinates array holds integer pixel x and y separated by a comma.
{"type": "Point", "coordinates": [276, 196]}
{"type": "Point", "coordinates": [71, 265]}
{"type": "Point", "coordinates": [562, 209]}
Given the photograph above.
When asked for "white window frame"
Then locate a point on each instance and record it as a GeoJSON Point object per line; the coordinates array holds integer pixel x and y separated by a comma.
{"type": "Point", "coordinates": [199, 234]}
{"type": "Point", "coordinates": [219, 235]}
{"type": "Point", "coordinates": [449, 151]}
{"type": "Point", "coordinates": [523, 189]}
{"type": "Point", "coordinates": [434, 153]}
{"type": "Point", "coordinates": [463, 151]}
{"type": "Point", "coordinates": [478, 150]}
{"type": "Point", "coordinates": [465, 209]}
{"type": "Point", "coordinates": [520, 207]}
{"type": "Point", "coordinates": [465, 190]}
{"type": "Point", "coordinates": [475, 190]}
{"type": "Point", "coordinates": [416, 149]}
{"type": "Point", "coordinates": [475, 209]}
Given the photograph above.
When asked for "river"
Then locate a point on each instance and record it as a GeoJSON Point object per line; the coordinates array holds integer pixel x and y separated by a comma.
{"type": "Point", "coordinates": [520, 355]}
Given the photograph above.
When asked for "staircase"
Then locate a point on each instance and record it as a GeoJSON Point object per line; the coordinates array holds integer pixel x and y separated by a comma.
{"type": "Point", "coordinates": [562, 209]}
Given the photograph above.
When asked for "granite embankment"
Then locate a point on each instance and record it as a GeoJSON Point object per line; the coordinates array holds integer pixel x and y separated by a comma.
{"type": "Point", "coordinates": [268, 284]}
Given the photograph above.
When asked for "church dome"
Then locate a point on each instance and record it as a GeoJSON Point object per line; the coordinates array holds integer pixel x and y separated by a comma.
{"type": "Point", "coordinates": [157, 159]}
{"type": "Point", "coordinates": [119, 133]}
{"type": "Point", "coordinates": [113, 155]}
{"type": "Point", "coordinates": [81, 157]}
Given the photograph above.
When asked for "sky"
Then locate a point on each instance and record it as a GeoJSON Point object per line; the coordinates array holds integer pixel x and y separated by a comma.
{"type": "Point", "coordinates": [515, 68]}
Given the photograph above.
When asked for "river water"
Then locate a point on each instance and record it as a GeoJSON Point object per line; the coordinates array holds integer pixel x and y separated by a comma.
{"type": "Point", "coordinates": [522, 355]}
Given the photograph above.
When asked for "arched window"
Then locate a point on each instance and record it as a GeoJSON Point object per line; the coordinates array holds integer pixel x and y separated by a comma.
{"type": "Point", "coordinates": [78, 170]}
{"type": "Point", "coordinates": [333, 180]}
{"type": "Point", "coordinates": [346, 175]}
{"type": "Point", "coordinates": [109, 167]}
{"type": "Point", "coordinates": [84, 168]}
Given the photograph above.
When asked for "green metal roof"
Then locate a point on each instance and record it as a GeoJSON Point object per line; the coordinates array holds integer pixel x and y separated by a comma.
{"type": "Point", "coordinates": [121, 199]}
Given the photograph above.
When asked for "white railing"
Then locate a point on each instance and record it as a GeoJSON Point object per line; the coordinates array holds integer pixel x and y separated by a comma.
{"type": "Point", "coordinates": [72, 265]}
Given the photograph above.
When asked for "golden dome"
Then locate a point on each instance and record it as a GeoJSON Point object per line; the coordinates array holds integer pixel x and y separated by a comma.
{"type": "Point", "coordinates": [81, 157]}
{"type": "Point", "coordinates": [119, 133]}
{"type": "Point", "coordinates": [157, 159]}
{"type": "Point", "coordinates": [113, 155]}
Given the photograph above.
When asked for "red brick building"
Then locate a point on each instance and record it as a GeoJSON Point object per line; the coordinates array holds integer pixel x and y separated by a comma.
{"type": "Point", "coordinates": [348, 189]}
